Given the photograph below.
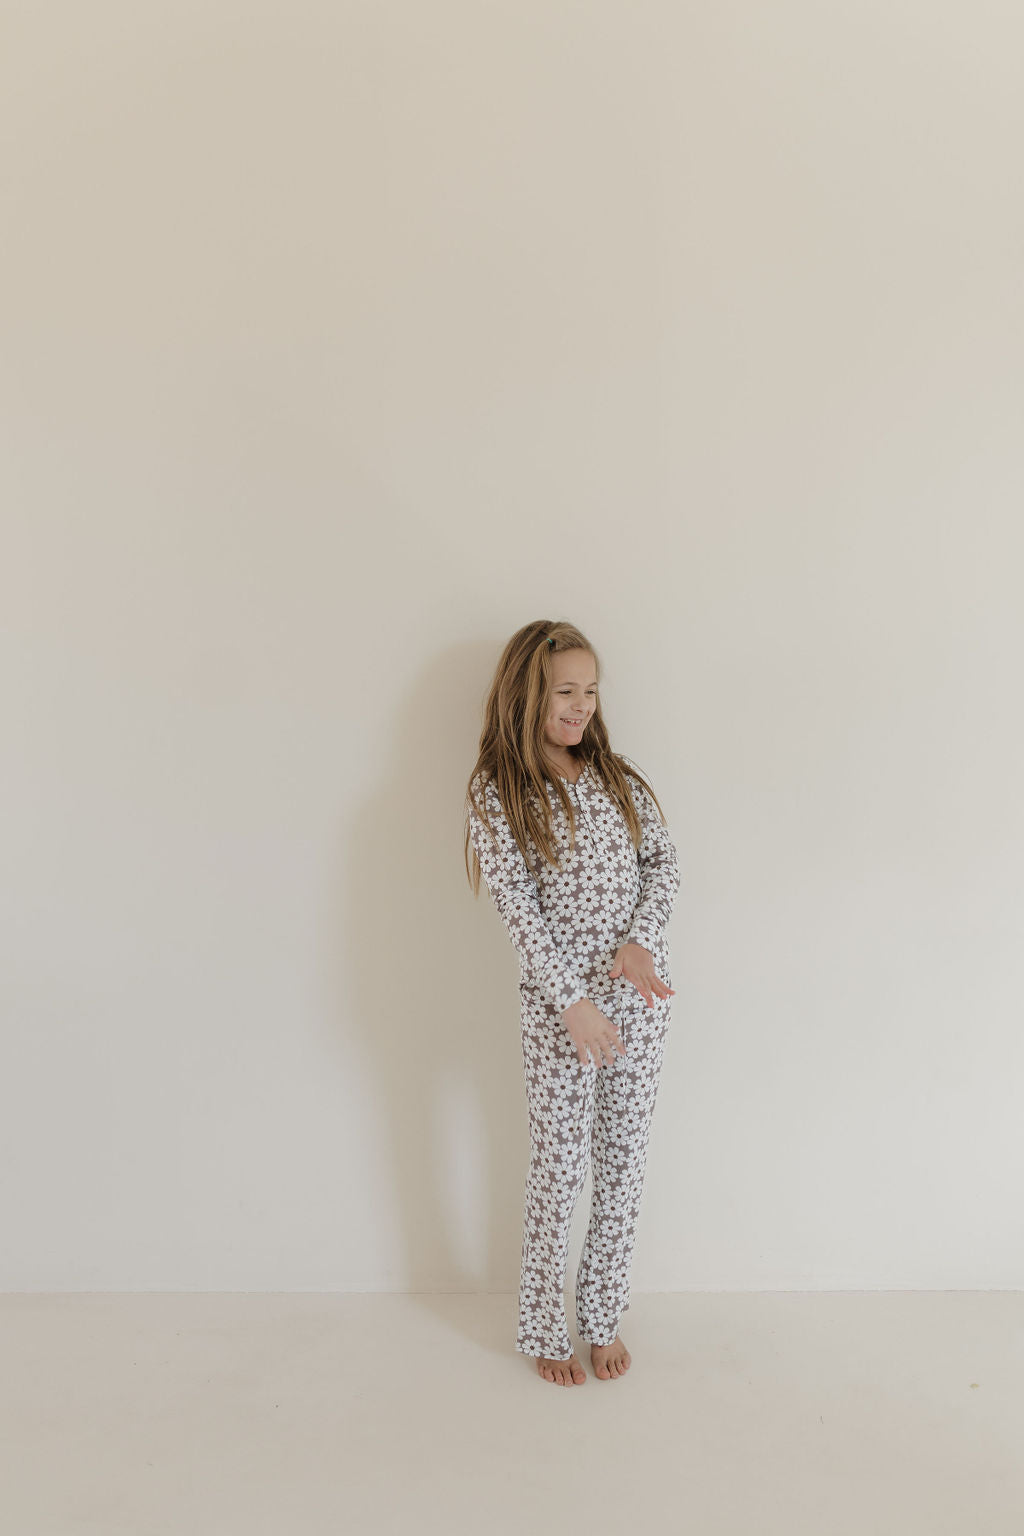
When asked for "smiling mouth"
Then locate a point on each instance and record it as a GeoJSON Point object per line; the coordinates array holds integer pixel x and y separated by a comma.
{"type": "Point", "coordinates": [570, 722]}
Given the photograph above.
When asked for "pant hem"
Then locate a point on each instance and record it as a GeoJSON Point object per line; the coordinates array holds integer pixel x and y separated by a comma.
{"type": "Point", "coordinates": [545, 1354]}
{"type": "Point", "coordinates": [601, 1343]}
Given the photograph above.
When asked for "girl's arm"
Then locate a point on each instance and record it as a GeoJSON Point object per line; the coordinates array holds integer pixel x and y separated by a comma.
{"type": "Point", "coordinates": [659, 872]}
{"type": "Point", "coordinates": [515, 894]}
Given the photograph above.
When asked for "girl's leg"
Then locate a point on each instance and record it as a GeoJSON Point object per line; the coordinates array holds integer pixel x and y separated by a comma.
{"type": "Point", "coordinates": [624, 1104]}
{"type": "Point", "coordinates": [560, 1099]}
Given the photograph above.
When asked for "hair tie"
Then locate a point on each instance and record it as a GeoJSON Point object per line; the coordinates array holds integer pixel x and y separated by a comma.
{"type": "Point", "coordinates": [551, 639]}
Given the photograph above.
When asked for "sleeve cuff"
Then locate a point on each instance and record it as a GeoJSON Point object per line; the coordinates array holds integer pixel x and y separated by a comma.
{"type": "Point", "coordinates": [649, 935]}
{"type": "Point", "coordinates": [564, 990]}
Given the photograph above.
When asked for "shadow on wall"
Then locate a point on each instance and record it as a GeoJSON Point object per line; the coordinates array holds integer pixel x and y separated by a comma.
{"type": "Point", "coordinates": [424, 984]}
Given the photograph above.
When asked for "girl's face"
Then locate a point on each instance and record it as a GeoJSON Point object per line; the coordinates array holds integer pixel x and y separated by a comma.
{"type": "Point", "coordinates": [573, 698]}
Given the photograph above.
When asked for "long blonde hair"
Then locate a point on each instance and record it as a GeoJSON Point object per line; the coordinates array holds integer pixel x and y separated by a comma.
{"type": "Point", "coordinates": [512, 755]}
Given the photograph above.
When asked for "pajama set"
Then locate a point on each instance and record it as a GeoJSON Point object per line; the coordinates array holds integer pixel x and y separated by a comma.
{"type": "Point", "coordinates": [566, 924]}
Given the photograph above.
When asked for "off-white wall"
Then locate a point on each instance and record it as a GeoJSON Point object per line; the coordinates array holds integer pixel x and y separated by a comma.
{"type": "Point", "coordinates": [340, 340]}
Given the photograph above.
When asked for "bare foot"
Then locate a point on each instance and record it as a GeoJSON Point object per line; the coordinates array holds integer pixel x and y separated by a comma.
{"type": "Point", "coordinates": [568, 1373]}
{"type": "Point", "coordinates": [610, 1359]}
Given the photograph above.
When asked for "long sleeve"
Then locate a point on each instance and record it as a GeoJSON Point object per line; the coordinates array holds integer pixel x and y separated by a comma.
{"type": "Point", "coordinates": [659, 872]}
{"type": "Point", "coordinates": [516, 895]}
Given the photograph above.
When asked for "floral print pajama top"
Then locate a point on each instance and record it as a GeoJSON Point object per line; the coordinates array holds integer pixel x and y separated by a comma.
{"type": "Point", "coordinates": [567, 922]}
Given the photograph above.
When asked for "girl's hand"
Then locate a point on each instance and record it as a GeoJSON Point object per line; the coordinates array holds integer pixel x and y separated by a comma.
{"type": "Point", "coordinates": [637, 965]}
{"type": "Point", "coordinates": [589, 1029]}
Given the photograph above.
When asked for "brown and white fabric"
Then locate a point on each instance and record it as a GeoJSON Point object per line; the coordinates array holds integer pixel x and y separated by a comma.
{"type": "Point", "coordinates": [566, 923]}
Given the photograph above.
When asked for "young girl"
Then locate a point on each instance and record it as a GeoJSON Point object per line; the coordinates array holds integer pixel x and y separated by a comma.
{"type": "Point", "coordinates": [572, 845]}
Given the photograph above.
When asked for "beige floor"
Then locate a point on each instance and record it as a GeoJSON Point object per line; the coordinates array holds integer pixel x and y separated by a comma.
{"type": "Point", "coordinates": [837, 1414]}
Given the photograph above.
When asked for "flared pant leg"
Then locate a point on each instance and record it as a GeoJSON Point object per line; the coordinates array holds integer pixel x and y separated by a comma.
{"type": "Point", "coordinates": [624, 1101]}
{"type": "Point", "coordinates": [560, 1101]}
{"type": "Point", "coordinates": [579, 1114]}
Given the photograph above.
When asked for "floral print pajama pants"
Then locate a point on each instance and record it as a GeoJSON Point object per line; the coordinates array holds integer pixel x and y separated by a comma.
{"type": "Point", "coordinates": [585, 1116]}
